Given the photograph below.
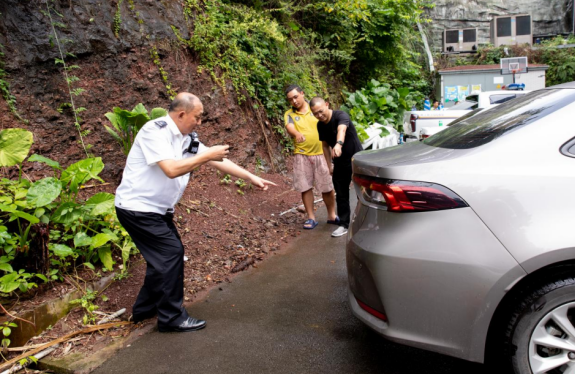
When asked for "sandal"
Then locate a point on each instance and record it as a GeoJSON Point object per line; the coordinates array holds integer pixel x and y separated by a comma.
{"type": "Point", "coordinates": [333, 222]}
{"type": "Point", "coordinates": [310, 224]}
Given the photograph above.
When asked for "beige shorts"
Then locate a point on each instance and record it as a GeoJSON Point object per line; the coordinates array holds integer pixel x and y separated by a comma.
{"type": "Point", "coordinates": [309, 171]}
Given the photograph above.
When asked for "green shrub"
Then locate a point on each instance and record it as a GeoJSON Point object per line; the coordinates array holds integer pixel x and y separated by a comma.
{"type": "Point", "coordinates": [81, 232]}
{"type": "Point", "coordinates": [377, 102]}
{"type": "Point", "coordinates": [126, 124]}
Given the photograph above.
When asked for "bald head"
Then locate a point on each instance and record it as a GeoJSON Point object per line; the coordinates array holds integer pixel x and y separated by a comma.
{"type": "Point", "coordinates": [320, 109]}
{"type": "Point", "coordinates": [186, 110]}
{"type": "Point", "coordinates": [184, 101]}
{"type": "Point", "coordinates": [316, 101]}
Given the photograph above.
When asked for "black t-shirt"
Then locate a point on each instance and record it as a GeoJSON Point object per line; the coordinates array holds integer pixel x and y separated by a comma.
{"type": "Point", "coordinates": [328, 133]}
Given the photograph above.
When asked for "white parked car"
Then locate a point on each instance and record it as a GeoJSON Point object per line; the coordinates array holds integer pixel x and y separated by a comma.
{"type": "Point", "coordinates": [423, 123]}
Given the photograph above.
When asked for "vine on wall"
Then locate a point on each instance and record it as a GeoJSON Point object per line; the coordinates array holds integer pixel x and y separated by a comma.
{"type": "Point", "coordinates": [70, 79]}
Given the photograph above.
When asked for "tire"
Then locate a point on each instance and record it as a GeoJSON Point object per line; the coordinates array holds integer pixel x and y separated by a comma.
{"type": "Point", "coordinates": [542, 330]}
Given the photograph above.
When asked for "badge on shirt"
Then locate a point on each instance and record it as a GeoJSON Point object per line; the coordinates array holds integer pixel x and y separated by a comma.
{"type": "Point", "coordinates": [297, 118]}
{"type": "Point", "coordinates": [161, 124]}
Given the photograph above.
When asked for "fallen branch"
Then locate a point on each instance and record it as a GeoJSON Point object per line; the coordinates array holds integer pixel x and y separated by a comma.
{"type": "Point", "coordinates": [38, 356]}
{"type": "Point", "coordinates": [112, 316]}
{"type": "Point", "coordinates": [301, 205]}
{"type": "Point", "coordinates": [62, 339]}
{"type": "Point", "coordinates": [28, 347]}
{"type": "Point", "coordinates": [195, 209]}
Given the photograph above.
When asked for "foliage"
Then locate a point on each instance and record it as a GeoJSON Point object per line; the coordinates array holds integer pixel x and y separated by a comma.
{"type": "Point", "coordinates": [126, 124]}
{"type": "Point", "coordinates": [254, 52]}
{"type": "Point", "coordinates": [86, 302]}
{"type": "Point", "coordinates": [241, 184]}
{"type": "Point", "coordinates": [163, 73]}
{"type": "Point", "coordinates": [561, 64]}
{"type": "Point", "coordinates": [118, 19]}
{"type": "Point", "coordinates": [371, 34]}
{"type": "Point", "coordinates": [260, 47]}
{"type": "Point", "coordinates": [377, 102]}
{"type": "Point", "coordinates": [6, 331]}
{"type": "Point", "coordinates": [69, 78]}
{"type": "Point", "coordinates": [227, 179]}
{"type": "Point", "coordinates": [81, 232]}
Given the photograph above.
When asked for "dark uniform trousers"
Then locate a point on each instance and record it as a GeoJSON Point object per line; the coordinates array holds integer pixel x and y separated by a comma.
{"type": "Point", "coordinates": [341, 179]}
{"type": "Point", "coordinates": [158, 240]}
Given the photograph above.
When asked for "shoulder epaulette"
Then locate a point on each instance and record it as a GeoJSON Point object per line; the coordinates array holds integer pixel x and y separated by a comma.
{"type": "Point", "coordinates": [161, 124]}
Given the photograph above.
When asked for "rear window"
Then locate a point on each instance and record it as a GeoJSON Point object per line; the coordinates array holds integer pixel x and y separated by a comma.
{"type": "Point", "coordinates": [491, 124]}
{"type": "Point", "coordinates": [464, 105]}
{"type": "Point", "coordinates": [501, 98]}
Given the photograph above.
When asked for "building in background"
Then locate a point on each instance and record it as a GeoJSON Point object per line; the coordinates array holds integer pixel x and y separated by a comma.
{"type": "Point", "coordinates": [458, 82]}
{"type": "Point", "coordinates": [548, 17]}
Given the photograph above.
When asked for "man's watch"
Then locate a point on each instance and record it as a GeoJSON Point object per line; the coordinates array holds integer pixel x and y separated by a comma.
{"type": "Point", "coordinates": [340, 142]}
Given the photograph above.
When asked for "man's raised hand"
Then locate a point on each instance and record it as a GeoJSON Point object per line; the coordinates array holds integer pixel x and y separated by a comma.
{"type": "Point", "coordinates": [218, 152]}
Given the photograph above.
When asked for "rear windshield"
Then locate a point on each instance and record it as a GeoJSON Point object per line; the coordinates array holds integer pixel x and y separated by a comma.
{"type": "Point", "coordinates": [500, 99]}
{"type": "Point", "coordinates": [464, 105]}
{"type": "Point", "coordinates": [491, 124]}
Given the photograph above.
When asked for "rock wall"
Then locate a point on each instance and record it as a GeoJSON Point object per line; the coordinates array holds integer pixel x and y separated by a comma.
{"type": "Point", "coordinates": [549, 16]}
{"type": "Point", "coordinates": [115, 69]}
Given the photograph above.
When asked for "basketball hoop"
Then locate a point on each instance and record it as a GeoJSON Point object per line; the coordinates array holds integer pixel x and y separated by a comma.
{"type": "Point", "coordinates": [514, 65]}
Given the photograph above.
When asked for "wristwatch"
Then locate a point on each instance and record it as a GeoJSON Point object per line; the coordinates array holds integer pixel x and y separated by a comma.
{"type": "Point", "coordinates": [340, 142]}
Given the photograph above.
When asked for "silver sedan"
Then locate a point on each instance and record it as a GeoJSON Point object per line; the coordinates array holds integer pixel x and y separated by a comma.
{"type": "Point", "coordinates": [464, 244]}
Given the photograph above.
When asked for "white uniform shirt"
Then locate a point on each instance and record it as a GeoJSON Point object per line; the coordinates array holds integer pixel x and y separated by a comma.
{"type": "Point", "coordinates": [145, 187]}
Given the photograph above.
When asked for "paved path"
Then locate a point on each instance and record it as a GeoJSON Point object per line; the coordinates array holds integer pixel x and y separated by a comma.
{"type": "Point", "coordinates": [290, 315]}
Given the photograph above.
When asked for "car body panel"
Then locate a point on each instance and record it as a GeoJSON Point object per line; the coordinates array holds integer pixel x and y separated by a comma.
{"type": "Point", "coordinates": [411, 280]}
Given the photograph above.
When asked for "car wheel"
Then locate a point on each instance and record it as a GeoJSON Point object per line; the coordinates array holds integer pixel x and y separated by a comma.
{"type": "Point", "coordinates": [542, 330]}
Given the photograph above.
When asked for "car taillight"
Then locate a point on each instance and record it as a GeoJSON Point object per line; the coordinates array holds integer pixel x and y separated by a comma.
{"type": "Point", "coordinates": [424, 136]}
{"type": "Point", "coordinates": [412, 120]}
{"type": "Point", "coordinates": [371, 311]}
{"type": "Point", "coordinates": [407, 196]}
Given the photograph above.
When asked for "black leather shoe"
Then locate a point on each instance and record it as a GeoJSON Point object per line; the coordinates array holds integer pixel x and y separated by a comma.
{"type": "Point", "coordinates": [190, 324]}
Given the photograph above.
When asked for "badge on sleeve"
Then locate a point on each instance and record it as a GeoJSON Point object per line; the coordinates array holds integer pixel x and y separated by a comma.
{"type": "Point", "coordinates": [161, 124]}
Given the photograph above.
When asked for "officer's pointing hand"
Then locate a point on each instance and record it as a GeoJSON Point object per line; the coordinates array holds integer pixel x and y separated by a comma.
{"type": "Point", "coordinates": [263, 184]}
{"type": "Point", "coordinates": [218, 152]}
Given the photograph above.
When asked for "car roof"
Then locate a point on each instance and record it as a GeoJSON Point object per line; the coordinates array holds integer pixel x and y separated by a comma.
{"type": "Point", "coordinates": [564, 85]}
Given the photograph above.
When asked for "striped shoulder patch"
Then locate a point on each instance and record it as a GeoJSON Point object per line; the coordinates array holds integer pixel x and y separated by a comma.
{"type": "Point", "coordinates": [161, 124]}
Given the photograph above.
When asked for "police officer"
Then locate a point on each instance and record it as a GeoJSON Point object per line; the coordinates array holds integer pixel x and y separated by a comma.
{"type": "Point", "coordinates": [156, 173]}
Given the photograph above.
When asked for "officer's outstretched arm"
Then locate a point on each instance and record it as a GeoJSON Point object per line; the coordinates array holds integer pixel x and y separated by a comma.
{"type": "Point", "coordinates": [177, 168]}
{"type": "Point", "coordinates": [228, 167]}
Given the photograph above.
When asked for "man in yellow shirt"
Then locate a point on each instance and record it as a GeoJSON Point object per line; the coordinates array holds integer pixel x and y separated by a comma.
{"type": "Point", "coordinates": [310, 167]}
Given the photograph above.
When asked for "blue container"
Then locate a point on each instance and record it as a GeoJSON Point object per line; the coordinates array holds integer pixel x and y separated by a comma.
{"type": "Point", "coordinates": [440, 106]}
{"type": "Point", "coordinates": [401, 138]}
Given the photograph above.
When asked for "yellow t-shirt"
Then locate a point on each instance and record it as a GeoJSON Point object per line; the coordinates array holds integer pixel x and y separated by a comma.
{"type": "Point", "coordinates": [306, 124]}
